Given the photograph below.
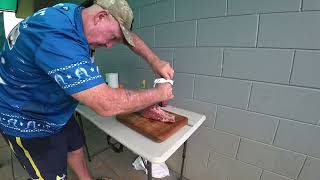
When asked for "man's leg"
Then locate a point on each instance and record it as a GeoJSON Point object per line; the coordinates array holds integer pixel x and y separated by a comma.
{"type": "Point", "coordinates": [43, 158]}
{"type": "Point", "coordinates": [76, 157]}
{"type": "Point", "coordinates": [78, 164]}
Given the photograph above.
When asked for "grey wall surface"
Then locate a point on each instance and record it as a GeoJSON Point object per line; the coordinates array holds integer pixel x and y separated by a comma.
{"type": "Point", "coordinates": [252, 67]}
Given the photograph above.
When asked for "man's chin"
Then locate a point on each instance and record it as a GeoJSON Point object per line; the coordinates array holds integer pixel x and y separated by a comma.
{"type": "Point", "coordinates": [98, 46]}
{"type": "Point", "coordinates": [95, 46]}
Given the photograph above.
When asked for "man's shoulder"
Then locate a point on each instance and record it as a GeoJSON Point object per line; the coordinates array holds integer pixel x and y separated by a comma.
{"type": "Point", "coordinates": [55, 21]}
{"type": "Point", "coordinates": [67, 9]}
{"type": "Point", "coordinates": [59, 15]}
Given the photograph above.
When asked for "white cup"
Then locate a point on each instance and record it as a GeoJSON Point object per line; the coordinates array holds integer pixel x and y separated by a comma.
{"type": "Point", "coordinates": [112, 80]}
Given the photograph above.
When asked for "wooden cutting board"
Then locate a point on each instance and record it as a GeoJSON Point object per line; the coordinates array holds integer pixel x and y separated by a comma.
{"type": "Point", "coordinates": [155, 130]}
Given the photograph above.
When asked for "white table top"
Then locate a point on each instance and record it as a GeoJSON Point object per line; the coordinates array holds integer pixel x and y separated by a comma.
{"type": "Point", "coordinates": [152, 151]}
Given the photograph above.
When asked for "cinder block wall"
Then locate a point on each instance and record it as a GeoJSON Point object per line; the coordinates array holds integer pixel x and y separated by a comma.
{"type": "Point", "coordinates": [252, 67]}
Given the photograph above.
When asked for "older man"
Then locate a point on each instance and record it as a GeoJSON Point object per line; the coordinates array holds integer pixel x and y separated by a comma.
{"type": "Point", "coordinates": [46, 70]}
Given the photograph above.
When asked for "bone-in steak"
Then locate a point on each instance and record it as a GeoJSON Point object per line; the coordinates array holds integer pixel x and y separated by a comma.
{"type": "Point", "coordinates": [154, 112]}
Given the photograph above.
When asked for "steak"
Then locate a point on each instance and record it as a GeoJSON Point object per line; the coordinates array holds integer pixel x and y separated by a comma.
{"type": "Point", "coordinates": [154, 112]}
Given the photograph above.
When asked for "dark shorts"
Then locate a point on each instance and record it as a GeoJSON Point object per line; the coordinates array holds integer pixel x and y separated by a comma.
{"type": "Point", "coordinates": [46, 157]}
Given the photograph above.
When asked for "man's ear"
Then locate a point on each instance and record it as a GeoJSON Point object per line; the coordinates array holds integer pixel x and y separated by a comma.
{"type": "Point", "coordinates": [100, 16]}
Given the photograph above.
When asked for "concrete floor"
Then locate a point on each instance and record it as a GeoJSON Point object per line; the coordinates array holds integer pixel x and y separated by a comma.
{"type": "Point", "coordinates": [105, 162]}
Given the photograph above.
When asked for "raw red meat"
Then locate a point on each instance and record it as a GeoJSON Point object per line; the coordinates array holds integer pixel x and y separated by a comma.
{"type": "Point", "coordinates": [154, 112]}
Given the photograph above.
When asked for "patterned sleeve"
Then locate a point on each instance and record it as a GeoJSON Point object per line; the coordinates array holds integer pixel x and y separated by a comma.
{"type": "Point", "coordinates": [68, 64]}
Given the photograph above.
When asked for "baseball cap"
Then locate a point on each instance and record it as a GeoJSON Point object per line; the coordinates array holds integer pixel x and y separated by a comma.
{"type": "Point", "coordinates": [122, 12]}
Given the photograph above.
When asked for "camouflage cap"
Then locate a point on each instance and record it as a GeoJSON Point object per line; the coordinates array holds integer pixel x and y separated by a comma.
{"type": "Point", "coordinates": [122, 12]}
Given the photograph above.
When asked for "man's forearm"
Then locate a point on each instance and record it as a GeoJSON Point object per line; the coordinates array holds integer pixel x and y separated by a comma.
{"type": "Point", "coordinates": [132, 101]}
{"type": "Point", "coordinates": [143, 50]}
{"type": "Point", "coordinates": [106, 101]}
{"type": "Point", "coordinates": [160, 67]}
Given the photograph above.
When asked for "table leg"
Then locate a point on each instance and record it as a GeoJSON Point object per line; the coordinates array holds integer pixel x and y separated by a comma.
{"type": "Point", "coordinates": [12, 168]}
{"type": "Point", "coordinates": [149, 168]}
{"type": "Point", "coordinates": [84, 136]}
{"type": "Point", "coordinates": [183, 158]}
{"type": "Point", "coordinates": [114, 145]}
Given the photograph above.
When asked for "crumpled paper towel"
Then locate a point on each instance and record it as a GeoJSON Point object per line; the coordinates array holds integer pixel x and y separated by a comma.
{"type": "Point", "coordinates": [159, 170]}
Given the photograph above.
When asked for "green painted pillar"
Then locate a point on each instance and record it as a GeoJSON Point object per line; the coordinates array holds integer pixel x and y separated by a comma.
{"type": "Point", "coordinates": [8, 5]}
{"type": "Point", "coordinates": [2, 34]}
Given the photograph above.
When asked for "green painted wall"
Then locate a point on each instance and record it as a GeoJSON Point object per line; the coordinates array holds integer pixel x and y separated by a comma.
{"type": "Point", "coordinates": [28, 7]}
{"type": "Point", "coordinates": [2, 34]}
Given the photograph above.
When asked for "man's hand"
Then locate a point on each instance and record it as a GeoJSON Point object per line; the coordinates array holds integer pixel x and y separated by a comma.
{"type": "Point", "coordinates": [165, 90]}
{"type": "Point", "coordinates": [163, 69]}
{"type": "Point", "coordinates": [160, 67]}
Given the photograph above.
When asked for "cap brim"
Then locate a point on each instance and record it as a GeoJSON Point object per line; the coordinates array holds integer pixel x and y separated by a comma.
{"type": "Point", "coordinates": [127, 35]}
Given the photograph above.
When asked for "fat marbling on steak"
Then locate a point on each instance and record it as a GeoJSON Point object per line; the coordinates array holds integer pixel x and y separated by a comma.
{"type": "Point", "coordinates": [154, 112]}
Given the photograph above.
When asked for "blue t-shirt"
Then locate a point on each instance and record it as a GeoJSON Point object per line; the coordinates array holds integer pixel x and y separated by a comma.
{"type": "Point", "coordinates": [45, 59]}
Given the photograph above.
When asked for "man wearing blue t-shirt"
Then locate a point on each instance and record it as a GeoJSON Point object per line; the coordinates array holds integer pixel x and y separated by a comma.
{"type": "Point", "coordinates": [45, 70]}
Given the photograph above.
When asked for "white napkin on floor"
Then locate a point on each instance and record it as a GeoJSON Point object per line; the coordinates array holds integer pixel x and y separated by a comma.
{"type": "Point", "coordinates": [159, 170]}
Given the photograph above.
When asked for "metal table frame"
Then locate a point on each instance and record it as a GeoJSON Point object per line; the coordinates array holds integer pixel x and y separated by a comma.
{"type": "Point", "coordinates": [77, 116]}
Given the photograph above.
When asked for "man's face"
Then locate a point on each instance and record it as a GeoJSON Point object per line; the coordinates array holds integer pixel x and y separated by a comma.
{"type": "Point", "coordinates": [108, 32]}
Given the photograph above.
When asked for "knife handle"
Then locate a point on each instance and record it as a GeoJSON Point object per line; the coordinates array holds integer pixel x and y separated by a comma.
{"type": "Point", "coordinates": [164, 103]}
